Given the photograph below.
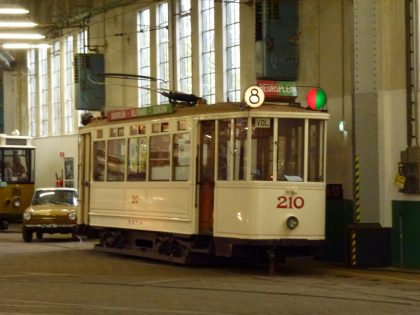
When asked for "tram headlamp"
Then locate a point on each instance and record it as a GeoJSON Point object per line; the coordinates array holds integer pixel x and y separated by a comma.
{"type": "Point", "coordinates": [292, 222]}
{"type": "Point", "coordinates": [72, 216]}
{"type": "Point", "coordinates": [16, 202]}
{"type": "Point", "coordinates": [27, 215]}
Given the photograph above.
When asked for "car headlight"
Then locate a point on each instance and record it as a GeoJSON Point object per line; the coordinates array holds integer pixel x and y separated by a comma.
{"type": "Point", "coordinates": [292, 222]}
{"type": "Point", "coordinates": [27, 215]}
{"type": "Point", "coordinates": [16, 202]}
{"type": "Point", "coordinates": [72, 215]}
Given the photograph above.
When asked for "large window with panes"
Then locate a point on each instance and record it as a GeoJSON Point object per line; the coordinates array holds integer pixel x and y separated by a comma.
{"type": "Point", "coordinates": [68, 84]}
{"type": "Point", "coordinates": [184, 47]}
{"type": "Point", "coordinates": [162, 32]}
{"type": "Point", "coordinates": [232, 50]}
{"type": "Point", "coordinates": [32, 92]}
{"type": "Point", "coordinates": [208, 67]}
{"type": "Point", "coordinates": [44, 91]}
{"type": "Point", "coordinates": [143, 55]}
{"type": "Point", "coordinates": [55, 88]}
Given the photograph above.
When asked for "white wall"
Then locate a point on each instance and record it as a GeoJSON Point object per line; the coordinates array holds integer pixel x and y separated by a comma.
{"type": "Point", "coordinates": [48, 161]}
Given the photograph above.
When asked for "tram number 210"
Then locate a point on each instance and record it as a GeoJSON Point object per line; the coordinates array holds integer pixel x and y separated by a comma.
{"type": "Point", "coordinates": [290, 202]}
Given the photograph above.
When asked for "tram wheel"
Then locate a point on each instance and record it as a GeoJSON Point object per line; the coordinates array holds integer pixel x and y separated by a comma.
{"type": "Point", "coordinates": [27, 235]}
{"type": "Point", "coordinates": [39, 235]}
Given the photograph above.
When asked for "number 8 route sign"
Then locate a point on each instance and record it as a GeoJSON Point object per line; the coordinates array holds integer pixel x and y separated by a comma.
{"type": "Point", "coordinates": [254, 96]}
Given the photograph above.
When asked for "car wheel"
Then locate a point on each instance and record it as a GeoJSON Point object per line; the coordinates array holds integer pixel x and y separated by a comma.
{"type": "Point", "coordinates": [27, 235]}
{"type": "Point", "coordinates": [39, 235]}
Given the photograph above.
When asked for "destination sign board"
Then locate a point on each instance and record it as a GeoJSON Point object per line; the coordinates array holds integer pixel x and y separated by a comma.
{"type": "Point", "coordinates": [278, 89]}
{"type": "Point", "coordinates": [120, 114]}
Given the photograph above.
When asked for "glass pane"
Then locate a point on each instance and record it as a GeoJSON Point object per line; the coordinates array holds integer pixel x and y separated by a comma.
{"type": "Point", "coordinates": [181, 156]}
{"type": "Point", "coordinates": [223, 149]}
{"type": "Point", "coordinates": [240, 150]}
{"type": "Point", "coordinates": [18, 166]}
{"type": "Point", "coordinates": [116, 160]}
{"type": "Point", "coordinates": [290, 153]}
{"type": "Point", "coordinates": [99, 160]}
{"type": "Point", "coordinates": [262, 149]}
{"type": "Point", "coordinates": [137, 157]}
{"type": "Point", "coordinates": [159, 158]}
{"type": "Point", "coordinates": [316, 151]}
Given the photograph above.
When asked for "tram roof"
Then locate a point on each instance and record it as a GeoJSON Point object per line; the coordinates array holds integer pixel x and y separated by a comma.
{"type": "Point", "coordinates": [215, 109]}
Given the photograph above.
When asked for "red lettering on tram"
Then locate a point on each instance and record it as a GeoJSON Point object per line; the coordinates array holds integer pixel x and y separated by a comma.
{"type": "Point", "coordinates": [290, 202]}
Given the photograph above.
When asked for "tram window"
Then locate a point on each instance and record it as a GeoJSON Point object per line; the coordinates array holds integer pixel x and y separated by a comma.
{"type": "Point", "coordinates": [113, 132]}
{"type": "Point", "coordinates": [182, 125]}
{"type": "Point", "coordinates": [137, 158]}
{"type": "Point", "coordinates": [159, 159]}
{"type": "Point", "coordinates": [99, 160]}
{"type": "Point", "coordinates": [134, 130]}
{"type": "Point", "coordinates": [240, 150]}
{"type": "Point", "coordinates": [116, 160]}
{"type": "Point", "coordinates": [156, 128]}
{"type": "Point", "coordinates": [223, 149]}
{"type": "Point", "coordinates": [164, 127]}
{"type": "Point", "coordinates": [99, 134]}
{"type": "Point", "coordinates": [290, 149]}
{"type": "Point", "coordinates": [262, 149]}
{"type": "Point", "coordinates": [17, 165]}
{"type": "Point", "coordinates": [137, 130]}
{"type": "Point", "coordinates": [181, 156]}
{"type": "Point", "coordinates": [116, 132]}
{"type": "Point", "coordinates": [316, 151]}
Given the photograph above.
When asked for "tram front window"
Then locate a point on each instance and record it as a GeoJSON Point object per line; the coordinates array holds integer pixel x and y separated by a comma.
{"type": "Point", "coordinates": [316, 151]}
{"type": "Point", "coordinates": [240, 149]}
{"type": "Point", "coordinates": [17, 165]}
{"type": "Point", "coordinates": [262, 149]}
{"type": "Point", "coordinates": [223, 149]}
{"type": "Point", "coordinates": [290, 149]}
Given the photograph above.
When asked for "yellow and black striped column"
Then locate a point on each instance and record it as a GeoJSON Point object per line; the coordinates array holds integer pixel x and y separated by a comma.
{"type": "Point", "coordinates": [353, 235]}
{"type": "Point", "coordinates": [357, 189]}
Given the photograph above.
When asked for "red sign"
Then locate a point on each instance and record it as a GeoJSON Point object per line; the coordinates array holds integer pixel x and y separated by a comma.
{"type": "Point", "coordinates": [278, 89]}
{"type": "Point", "coordinates": [61, 154]}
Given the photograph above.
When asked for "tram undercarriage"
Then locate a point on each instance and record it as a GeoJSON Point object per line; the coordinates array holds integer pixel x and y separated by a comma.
{"type": "Point", "coordinates": [202, 249]}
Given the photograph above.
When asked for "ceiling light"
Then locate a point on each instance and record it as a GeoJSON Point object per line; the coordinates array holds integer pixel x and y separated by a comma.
{"type": "Point", "coordinates": [24, 46]}
{"type": "Point", "coordinates": [21, 36]}
{"type": "Point", "coordinates": [17, 24]}
{"type": "Point", "coordinates": [13, 11]}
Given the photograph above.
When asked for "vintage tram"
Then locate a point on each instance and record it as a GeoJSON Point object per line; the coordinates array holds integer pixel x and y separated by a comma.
{"type": "Point", "coordinates": [182, 183]}
{"type": "Point", "coordinates": [17, 176]}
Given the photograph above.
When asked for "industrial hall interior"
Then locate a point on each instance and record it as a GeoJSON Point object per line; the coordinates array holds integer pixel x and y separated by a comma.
{"type": "Point", "coordinates": [65, 61]}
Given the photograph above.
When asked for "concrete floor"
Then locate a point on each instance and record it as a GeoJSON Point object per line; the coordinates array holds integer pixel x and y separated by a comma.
{"type": "Point", "coordinates": [59, 276]}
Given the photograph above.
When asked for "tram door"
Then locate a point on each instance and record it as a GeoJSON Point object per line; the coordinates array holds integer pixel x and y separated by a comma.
{"type": "Point", "coordinates": [84, 177]}
{"type": "Point", "coordinates": [206, 176]}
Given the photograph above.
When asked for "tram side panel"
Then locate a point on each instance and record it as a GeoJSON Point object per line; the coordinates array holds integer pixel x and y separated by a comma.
{"type": "Point", "coordinates": [152, 207]}
{"type": "Point", "coordinates": [261, 212]}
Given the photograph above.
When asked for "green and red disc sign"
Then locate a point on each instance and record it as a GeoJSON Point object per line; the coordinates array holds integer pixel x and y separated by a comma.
{"type": "Point", "coordinates": [316, 99]}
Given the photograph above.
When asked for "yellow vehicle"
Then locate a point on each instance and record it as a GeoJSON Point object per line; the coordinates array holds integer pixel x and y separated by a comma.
{"type": "Point", "coordinates": [52, 210]}
{"type": "Point", "coordinates": [17, 177]}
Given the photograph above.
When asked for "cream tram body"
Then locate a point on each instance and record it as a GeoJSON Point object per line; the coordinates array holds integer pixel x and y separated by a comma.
{"type": "Point", "coordinates": [230, 176]}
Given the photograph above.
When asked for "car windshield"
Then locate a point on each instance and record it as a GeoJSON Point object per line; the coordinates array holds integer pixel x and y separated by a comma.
{"type": "Point", "coordinates": [62, 196]}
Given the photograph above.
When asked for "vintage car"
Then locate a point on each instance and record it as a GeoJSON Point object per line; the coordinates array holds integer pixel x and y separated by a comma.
{"type": "Point", "coordinates": [52, 210]}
